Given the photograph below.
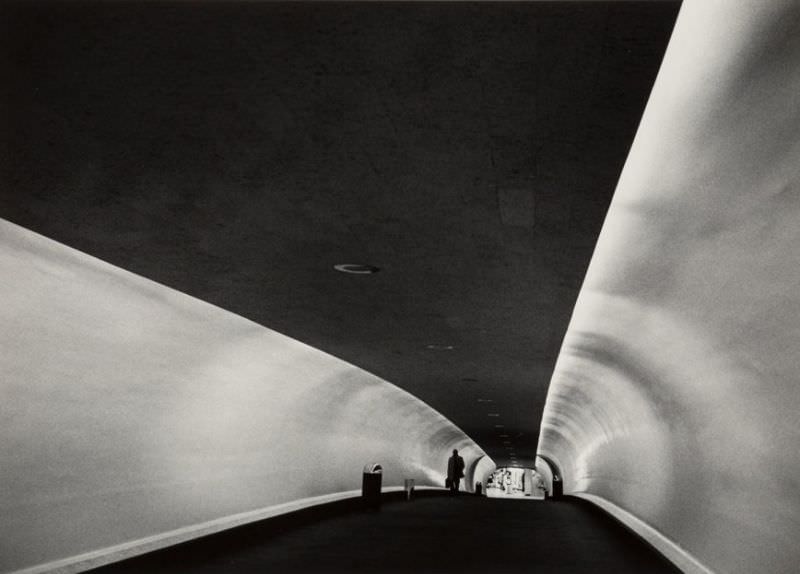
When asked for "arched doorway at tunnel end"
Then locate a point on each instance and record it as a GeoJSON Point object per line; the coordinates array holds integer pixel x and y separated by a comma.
{"type": "Point", "coordinates": [516, 482]}
{"type": "Point", "coordinates": [551, 473]}
{"type": "Point", "coordinates": [477, 473]}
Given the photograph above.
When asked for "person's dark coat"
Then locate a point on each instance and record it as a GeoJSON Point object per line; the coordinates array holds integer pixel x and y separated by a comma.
{"type": "Point", "coordinates": [455, 468]}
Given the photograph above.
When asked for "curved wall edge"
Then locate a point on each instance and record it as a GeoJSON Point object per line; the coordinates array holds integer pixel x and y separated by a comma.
{"type": "Point", "coordinates": [680, 557]}
{"type": "Point", "coordinates": [479, 472]}
{"type": "Point", "coordinates": [675, 392]}
{"type": "Point", "coordinates": [132, 412]}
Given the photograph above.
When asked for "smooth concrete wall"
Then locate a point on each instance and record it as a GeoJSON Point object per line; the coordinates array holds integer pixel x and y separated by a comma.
{"type": "Point", "coordinates": [675, 398]}
{"type": "Point", "coordinates": [130, 411]}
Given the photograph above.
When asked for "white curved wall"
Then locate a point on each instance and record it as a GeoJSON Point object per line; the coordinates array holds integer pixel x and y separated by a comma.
{"type": "Point", "coordinates": [478, 471]}
{"type": "Point", "coordinates": [130, 410]}
{"type": "Point", "coordinates": [675, 398]}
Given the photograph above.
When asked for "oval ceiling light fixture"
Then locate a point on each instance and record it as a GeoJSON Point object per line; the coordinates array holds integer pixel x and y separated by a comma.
{"type": "Point", "coordinates": [356, 268]}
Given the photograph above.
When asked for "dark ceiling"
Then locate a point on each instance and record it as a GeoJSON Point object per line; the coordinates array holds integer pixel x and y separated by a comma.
{"type": "Point", "coordinates": [237, 151]}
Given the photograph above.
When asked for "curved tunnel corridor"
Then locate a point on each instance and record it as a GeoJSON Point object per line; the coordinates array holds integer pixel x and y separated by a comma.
{"type": "Point", "coordinates": [249, 247]}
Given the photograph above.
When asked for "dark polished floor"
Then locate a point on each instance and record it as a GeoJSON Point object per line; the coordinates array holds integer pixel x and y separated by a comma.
{"type": "Point", "coordinates": [429, 534]}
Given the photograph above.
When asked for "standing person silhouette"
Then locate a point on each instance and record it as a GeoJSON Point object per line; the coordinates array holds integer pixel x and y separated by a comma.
{"type": "Point", "coordinates": [455, 471]}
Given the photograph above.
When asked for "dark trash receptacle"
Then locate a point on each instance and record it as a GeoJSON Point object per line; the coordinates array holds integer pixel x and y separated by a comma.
{"type": "Point", "coordinates": [478, 489]}
{"type": "Point", "coordinates": [371, 486]}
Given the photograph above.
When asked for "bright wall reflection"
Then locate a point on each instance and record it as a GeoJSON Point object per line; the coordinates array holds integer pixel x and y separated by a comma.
{"type": "Point", "coordinates": [675, 398]}
{"type": "Point", "coordinates": [130, 411]}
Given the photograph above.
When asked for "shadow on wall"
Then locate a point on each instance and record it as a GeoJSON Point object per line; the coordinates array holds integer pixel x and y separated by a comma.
{"type": "Point", "coordinates": [150, 414]}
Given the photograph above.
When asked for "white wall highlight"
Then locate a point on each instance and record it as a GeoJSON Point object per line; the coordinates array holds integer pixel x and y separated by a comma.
{"type": "Point", "coordinates": [675, 397]}
{"type": "Point", "coordinates": [130, 410]}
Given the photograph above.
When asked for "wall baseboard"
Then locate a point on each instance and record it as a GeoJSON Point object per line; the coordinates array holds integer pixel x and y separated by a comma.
{"type": "Point", "coordinates": [119, 552]}
{"type": "Point", "coordinates": [669, 549]}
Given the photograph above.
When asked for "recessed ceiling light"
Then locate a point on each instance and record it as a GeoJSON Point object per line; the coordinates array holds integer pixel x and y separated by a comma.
{"type": "Point", "coordinates": [356, 268]}
{"type": "Point", "coordinates": [441, 347]}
